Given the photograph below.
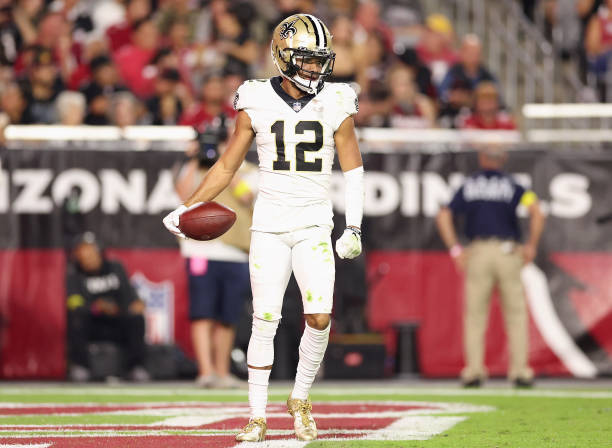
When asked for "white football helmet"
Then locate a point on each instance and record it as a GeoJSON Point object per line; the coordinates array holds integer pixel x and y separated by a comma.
{"type": "Point", "coordinates": [300, 38]}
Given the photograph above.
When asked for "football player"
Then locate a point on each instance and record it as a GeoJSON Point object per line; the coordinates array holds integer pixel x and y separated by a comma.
{"type": "Point", "coordinates": [296, 120]}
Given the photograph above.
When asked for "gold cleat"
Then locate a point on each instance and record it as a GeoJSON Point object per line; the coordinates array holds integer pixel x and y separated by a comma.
{"type": "Point", "coordinates": [304, 424]}
{"type": "Point", "coordinates": [254, 431]}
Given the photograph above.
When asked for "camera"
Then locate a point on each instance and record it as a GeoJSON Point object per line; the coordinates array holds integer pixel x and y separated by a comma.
{"type": "Point", "coordinates": [208, 141]}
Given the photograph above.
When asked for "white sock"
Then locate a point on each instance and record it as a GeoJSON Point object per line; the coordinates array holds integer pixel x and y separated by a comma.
{"type": "Point", "coordinates": [258, 392]}
{"type": "Point", "coordinates": [312, 349]}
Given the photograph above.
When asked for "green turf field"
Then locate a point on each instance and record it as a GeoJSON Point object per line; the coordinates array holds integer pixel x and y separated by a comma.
{"type": "Point", "coordinates": [372, 415]}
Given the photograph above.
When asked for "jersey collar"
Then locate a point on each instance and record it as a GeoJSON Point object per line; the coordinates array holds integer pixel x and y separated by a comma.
{"type": "Point", "coordinates": [296, 105]}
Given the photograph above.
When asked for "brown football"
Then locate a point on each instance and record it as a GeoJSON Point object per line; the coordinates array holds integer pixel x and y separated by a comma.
{"type": "Point", "coordinates": [207, 221]}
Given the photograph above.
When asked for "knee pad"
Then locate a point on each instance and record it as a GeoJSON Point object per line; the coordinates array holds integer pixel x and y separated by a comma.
{"type": "Point", "coordinates": [261, 344]}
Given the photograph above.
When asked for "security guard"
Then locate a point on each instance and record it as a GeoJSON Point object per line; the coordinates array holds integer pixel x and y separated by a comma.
{"type": "Point", "coordinates": [488, 200]}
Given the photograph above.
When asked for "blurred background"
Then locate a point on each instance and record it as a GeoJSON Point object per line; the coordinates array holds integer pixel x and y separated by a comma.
{"type": "Point", "coordinates": [102, 101]}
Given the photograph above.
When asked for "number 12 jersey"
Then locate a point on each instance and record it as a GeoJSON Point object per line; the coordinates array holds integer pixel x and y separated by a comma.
{"type": "Point", "coordinates": [295, 145]}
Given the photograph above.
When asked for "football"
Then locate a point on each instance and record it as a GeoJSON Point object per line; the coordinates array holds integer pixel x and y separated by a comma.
{"type": "Point", "coordinates": [207, 221]}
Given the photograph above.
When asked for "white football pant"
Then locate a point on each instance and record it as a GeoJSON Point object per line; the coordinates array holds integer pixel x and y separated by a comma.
{"type": "Point", "coordinates": [309, 253]}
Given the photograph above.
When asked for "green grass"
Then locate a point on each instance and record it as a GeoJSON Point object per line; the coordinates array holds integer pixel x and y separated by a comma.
{"type": "Point", "coordinates": [518, 422]}
{"type": "Point", "coordinates": [520, 419]}
{"type": "Point", "coordinates": [86, 419]}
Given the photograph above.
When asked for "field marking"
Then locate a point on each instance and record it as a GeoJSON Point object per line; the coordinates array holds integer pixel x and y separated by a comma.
{"type": "Point", "coordinates": [274, 444]}
{"type": "Point", "coordinates": [421, 428]}
{"type": "Point", "coordinates": [38, 445]}
{"type": "Point", "coordinates": [220, 409]}
{"type": "Point", "coordinates": [320, 390]}
{"type": "Point", "coordinates": [189, 420]}
{"type": "Point", "coordinates": [400, 422]}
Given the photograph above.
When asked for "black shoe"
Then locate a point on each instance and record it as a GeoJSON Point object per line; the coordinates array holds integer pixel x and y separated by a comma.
{"type": "Point", "coordinates": [522, 383]}
{"type": "Point", "coordinates": [476, 382]}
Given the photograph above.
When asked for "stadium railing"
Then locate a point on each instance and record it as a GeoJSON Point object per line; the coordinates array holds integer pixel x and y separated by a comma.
{"type": "Point", "coordinates": [176, 138]}
{"type": "Point", "coordinates": [563, 125]}
{"type": "Point", "coordinates": [583, 124]}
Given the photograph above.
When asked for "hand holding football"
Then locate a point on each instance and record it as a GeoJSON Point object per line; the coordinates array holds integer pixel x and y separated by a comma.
{"type": "Point", "coordinates": [206, 221]}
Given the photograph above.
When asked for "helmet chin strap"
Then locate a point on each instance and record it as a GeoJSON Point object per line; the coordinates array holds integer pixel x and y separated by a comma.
{"type": "Point", "coordinates": [304, 85]}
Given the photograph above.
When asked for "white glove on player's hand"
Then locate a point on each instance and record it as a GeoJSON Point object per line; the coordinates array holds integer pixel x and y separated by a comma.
{"type": "Point", "coordinates": [349, 244]}
{"type": "Point", "coordinates": [172, 219]}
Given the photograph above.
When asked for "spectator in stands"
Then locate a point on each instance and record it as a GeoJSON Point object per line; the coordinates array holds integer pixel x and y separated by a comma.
{"type": "Point", "coordinates": [120, 35]}
{"type": "Point", "coordinates": [487, 113]}
{"type": "Point", "coordinates": [213, 107]}
{"type": "Point", "coordinates": [71, 108]}
{"type": "Point", "coordinates": [283, 9]}
{"type": "Point", "coordinates": [42, 87]}
{"type": "Point", "coordinates": [177, 11]}
{"type": "Point", "coordinates": [10, 37]}
{"type": "Point", "coordinates": [179, 44]}
{"type": "Point", "coordinates": [133, 60]}
{"type": "Point", "coordinates": [435, 48]}
{"type": "Point", "coordinates": [397, 102]}
{"type": "Point", "coordinates": [488, 200]}
{"type": "Point", "coordinates": [368, 22]}
{"type": "Point", "coordinates": [345, 65]}
{"type": "Point", "coordinates": [598, 41]}
{"type": "Point", "coordinates": [458, 106]}
{"type": "Point", "coordinates": [102, 306]}
{"type": "Point", "coordinates": [81, 73]}
{"type": "Point", "coordinates": [232, 79]}
{"type": "Point", "coordinates": [217, 270]}
{"type": "Point", "coordinates": [204, 24]}
{"type": "Point", "coordinates": [104, 84]}
{"type": "Point", "coordinates": [422, 73]}
{"type": "Point", "coordinates": [13, 105]}
{"type": "Point", "coordinates": [166, 106]}
{"type": "Point", "coordinates": [469, 67]}
{"type": "Point", "coordinates": [53, 32]}
{"type": "Point", "coordinates": [124, 110]}
{"type": "Point", "coordinates": [234, 44]}
{"type": "Point", "coordinates": [26, 14]}
{"type": "Point", "coordinates": [373, 62]}
{"type": "Point", "coordinates": [408, 108]}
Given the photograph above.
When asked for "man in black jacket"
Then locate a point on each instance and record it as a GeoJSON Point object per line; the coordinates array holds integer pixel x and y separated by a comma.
{"type": "Point", "coordinates": [102, 306]}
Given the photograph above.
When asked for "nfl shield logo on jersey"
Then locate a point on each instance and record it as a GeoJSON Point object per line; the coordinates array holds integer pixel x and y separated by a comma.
{"type": "Point", "coordinates": [297, 106]}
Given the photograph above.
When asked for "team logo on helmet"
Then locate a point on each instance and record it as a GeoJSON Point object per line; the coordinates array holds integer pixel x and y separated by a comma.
{"type": "Point", "coordinates": [288, 29]}
{"type": "Point", "coordinates": [297, 42]}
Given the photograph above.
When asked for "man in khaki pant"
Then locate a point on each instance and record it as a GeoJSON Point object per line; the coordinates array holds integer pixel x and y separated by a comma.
{"type": "Point", "coordinates": [488, 201]}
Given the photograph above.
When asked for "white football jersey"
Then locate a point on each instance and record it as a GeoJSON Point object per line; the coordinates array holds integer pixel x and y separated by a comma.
{"type": "Point", "coordinates": [295, 145]}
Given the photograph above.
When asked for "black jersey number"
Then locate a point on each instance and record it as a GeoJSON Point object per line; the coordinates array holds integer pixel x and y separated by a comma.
{"type": "Point", "coordinates": [280, 164]}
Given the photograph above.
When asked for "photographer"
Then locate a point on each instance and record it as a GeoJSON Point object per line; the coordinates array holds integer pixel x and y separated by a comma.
{"type": "Point", "coordinates": [218, 271]}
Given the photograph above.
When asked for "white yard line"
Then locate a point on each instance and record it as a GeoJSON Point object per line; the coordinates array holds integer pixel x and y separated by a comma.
{"type": "Point", "coordinates": [193, 421]}
{"type": "Point", "coordinates": [38, 445]}
{"type": "Point", "coordinates": [274, 444]}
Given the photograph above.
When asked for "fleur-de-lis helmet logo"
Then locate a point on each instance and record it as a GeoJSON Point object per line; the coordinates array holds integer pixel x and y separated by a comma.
{"type": "Point", "coordinates": [287, 30]}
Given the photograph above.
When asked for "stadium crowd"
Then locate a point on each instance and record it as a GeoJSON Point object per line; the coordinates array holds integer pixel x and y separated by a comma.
{"type": "Point", "coordinates": [581, 32]}
{"type": "Point", "coordinates": [129, 62]}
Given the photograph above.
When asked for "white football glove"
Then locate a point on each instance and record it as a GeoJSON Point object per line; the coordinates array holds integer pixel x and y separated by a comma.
{"type": "Point", "coordinates": [172, 219]}
{"type": "Point", "coordinates": [349, 244]}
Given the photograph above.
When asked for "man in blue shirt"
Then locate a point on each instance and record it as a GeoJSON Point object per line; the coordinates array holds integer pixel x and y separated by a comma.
{"type": "Point", "coordinates": [488, 200]}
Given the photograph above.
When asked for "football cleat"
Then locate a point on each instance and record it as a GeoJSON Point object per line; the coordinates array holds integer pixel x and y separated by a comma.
{"type": "Point", "coordinates": [254, 431]}
{"type": "Point", "coordinates": [303, 423]}
{"type": "Point", "coordinates": [300, 39]}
